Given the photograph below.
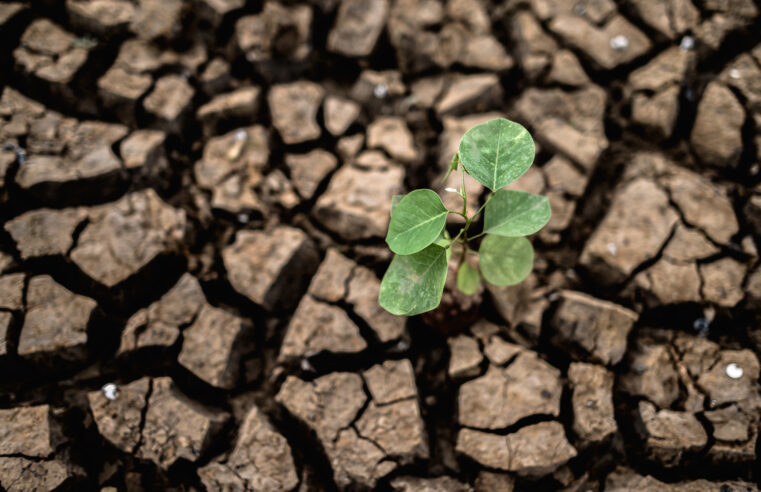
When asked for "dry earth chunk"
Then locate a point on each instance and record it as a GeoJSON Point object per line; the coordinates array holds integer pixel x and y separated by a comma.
{"type": "Point", "coordinates": [596, 42]}
{"type": "Point", "coordinates": [309, 170]}
{"type": "Point", "coordinates": [260, 460]}
{"type": "Point", "coordinates": [625, 480]}
{"type": "Point", "coordinates": [392, 135]}
{"type": "Point", "coordinates": [599, 328]}
{"type": "Point", "coordinates": [464, 357]}
{"type": "Point", "coordinates": [330, 281]}
{"type": "Point", "coordinates": [502, 397]}
{"type": "Point", "coordinates": [592, 399]}
{"type": "Point", "coordinates": [571, 122]}
{"type": "Point", "coordinates": [358, 26]}
{"type": "Point", "coordinates": [670, 282]}
{"type": "Point", "coordinates": [717, 133]}
{"type": "Point", "coordinates": [722, 388]}
{"type": "Point", "coordinates": [470, 94]}
{"type": "Point", "coordinates": [364, 289]}
{"type": "Point", "coordinates": [279, 32]}
{"type": "Point", "coordinates": [56, 320]}
{"type": "Point", "coordinates": [316, 327]}
{"type": "Point", "coordinates": [294, 110]}
{"type": "Point", "coordinates": [121, 90]}
{"type": "Point", "coordinates": [534, 450]}
{"type": "Point", "coordinates": [534, 46]}
{"type": "Point", "coordinates": [566, 70]}
{"type": "Point", "coordinates": [356, 460]}
{"type": "Point", "coordinates": [723, 282]}
{"type": "Point", "coordinates": [617, 247]}
{"type": "Point", "coordinates": [671, 18]}
{"type": "Point", "coordinates": [231, 166]}
{"type": "Point", "coordinates": [340, 113]}
{"type": "Point", "coordinates": [51, 55]}
{"type": "Point", "coordinates": [668, 68]}
{"type": "Point", "coordinates": [397, 428]}
{"type": "Point", "coordinates": [143, 149]}
{"type": "Point", "coordinates": [19, 474]}
{"type": "Point", "coordinates": [500, 352]}
{"type": "Point", "coordinates": [240, 104]}
{"type": "Point", "coordinates": [119, 420]}
{"type": "Point", "coordinates": [688, 245]}
{"type": "Point", "coordinates": [669, 434]}
{"type": "Point", "coordinates": [657, 113]}
{"type": "Point", "coordinates": [270, 267]}
{"type": "Point", "coordinates": [12, 291]}
{"type": "Point", "coordinates": [651, 374]}
{"type": "Point", "coordinates": [704, 205]}
{"type": "Point", "coordinates": [391, 381]}
{"type": "Point", "coordinates": [357, 203]}
{"type": "Point", "coordinates": [327, 404]}
{"type": "Point", "coordinates": [157, 19]}
{"type": "Point", "coordinates": [5, 323]}
{"type": "Point", "coordinates": [29, 431]}
{"type": "Point", "coordinates": [439, 484]}
{"type": "Point", "coordinates": [169, 101]}
{"type": "Point", "coordinates": [176, 427]}
{"type": "Point", "coordinates": [125, 236]}
{"type": "Point", "coordinates": [159, 324]}
{"type": "Point", "coordinates": [44, 232]}
{"type": "Point", "coordinates": [212, 346]}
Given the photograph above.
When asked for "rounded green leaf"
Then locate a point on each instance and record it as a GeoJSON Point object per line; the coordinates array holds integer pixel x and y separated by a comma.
{"type": "Point", "coordinates": [497, 152]}
{"type": "Point", "coordinates": [416, 222]}
{"type": "Point", "coordinates": [505, 260]}
{"type": "Point", "coordinates": [468, 279]}
{"type": "Point", "coordinates": [516, 213]}
{"type": "Point", "coordinates": [413, 284]}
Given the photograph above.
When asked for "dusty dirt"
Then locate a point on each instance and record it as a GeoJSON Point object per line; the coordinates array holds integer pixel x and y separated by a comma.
{"type": "Point", "coordinates": [193, 198]}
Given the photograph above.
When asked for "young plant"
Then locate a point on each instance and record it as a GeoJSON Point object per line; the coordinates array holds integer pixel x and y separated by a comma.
{"type": "Point", "coordinates": [495, 153]}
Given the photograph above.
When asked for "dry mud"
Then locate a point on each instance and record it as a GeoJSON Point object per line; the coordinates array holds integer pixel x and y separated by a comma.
{"type": "Point", "coordinates": [193, 198]}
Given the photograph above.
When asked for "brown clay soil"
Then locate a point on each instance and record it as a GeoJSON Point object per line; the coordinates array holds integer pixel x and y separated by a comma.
{"type": "Point", "coordinates": [193, 199]}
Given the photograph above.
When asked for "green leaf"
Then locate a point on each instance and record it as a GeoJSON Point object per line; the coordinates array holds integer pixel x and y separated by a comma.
{"type": "Point", "coordinates": [413, 284]}
{"type": "Point", "coordinates": [395, 201]}
{"type": "Point", "coordinates": [505, 260]}
{"type": "Point", "coordinates": [497, 152]}
{"type": "Point", "coordinates": [468, 279]}
{"type": "Point", "coordinates": [516, 213]}
{"type": "Point", "coordinates": [417, 221]}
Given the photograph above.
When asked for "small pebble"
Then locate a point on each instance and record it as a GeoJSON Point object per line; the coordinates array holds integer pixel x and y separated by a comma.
{"type": "Point", "coordinates": [612, 248]}
{"type": "Point", "coordinates": [579, 9]}
{"type": "Point", "coordinates": [240, 135]}
{"type": "Point", "coordinates": [687, 43]}
{"type": "Point", "coordinates": [380, 91]}
{"type": "Point", "coordinates": [619, 43]}
{"type": "Point", "coordinates": [701, 325]}
{"type": "Point", "coordinates": [306, 365]}
{"type": "Point", "coordinates": [243, 218]}
{"type": "Point", "coordinates": [110, 391]}
{"type": "Point", "coordinates": [734, 371]}
{"type": "Point", "coordinates": [734, 74]}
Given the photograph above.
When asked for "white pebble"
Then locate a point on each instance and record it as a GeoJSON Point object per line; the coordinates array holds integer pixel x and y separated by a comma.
{"type": "Point", "coordinates": [619, 43]}
{"type": "Point", "coordinates": [243, 218]}
{"type": "Point", "coordinates": [110, 391]}
{"type": "Point", "coordinates": [380, 91]}
{"type": "Point", "coordinates": [734, 371]}
{"type": "Point", "coordinates": [240, 135]}
{"type": "Point", "coordinates": [734, 74]}
{"type": "Point", "coordinates": [687, 43]}
{"type": "Point", "coordinates": [612, 248]}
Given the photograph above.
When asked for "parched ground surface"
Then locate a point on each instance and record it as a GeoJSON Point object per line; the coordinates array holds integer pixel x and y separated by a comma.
{"type": "Point", "coordinates": [193, 199]}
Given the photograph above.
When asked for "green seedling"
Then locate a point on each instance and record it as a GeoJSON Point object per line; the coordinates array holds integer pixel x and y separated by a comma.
{"type": "Point", "coordinates": [495, 153]}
